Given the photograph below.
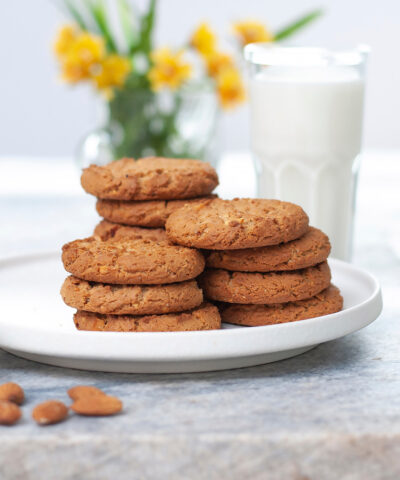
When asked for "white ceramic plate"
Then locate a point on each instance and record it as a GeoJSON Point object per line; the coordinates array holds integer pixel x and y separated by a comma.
{"type": "Point", "coordinates": [35, 324]}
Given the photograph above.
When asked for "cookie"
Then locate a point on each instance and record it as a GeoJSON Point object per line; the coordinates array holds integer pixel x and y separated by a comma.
{"type": "Point", "coordinates": [265, 288]}
{"type": "Point", "coordinates": [150, 178]}
{"type": "Point", "coordinates": [131, 299]}
{"type": "Point", "coordinates": [150, 213]}
{"type": "Point", "coordinates": [131, 261]}
{"type": "Point", "coordinates": [324, 303]}
{"type": "Point", "coordinates": [240, 223]}
{"type": "Point", "coordinates": [310, 249]}
{"type": "Point", "coordinates": [205, 317]}
{"type": "Point", "coordinates": [112, 231]}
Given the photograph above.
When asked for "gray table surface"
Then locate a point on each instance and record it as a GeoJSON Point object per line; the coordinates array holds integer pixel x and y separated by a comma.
{"type": "Point", "coordinates": [332, 413]}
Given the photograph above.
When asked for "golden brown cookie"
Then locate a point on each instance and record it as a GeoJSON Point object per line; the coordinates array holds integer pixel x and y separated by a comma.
{"type": "Point", "coordinates": [150, 213]}
{"type": "Point", "coordinates": [150, 178]}
{"type": "Point", "coordinates": [312, 248]}
{"type": "Point", "coordinates": [240, 223]}
{"type": "Point", "coordinates": [324, 303]}
{"type": "Point", "coordinates": [265, 288]}
{"type": "Point", "coordinates": [131, 299]}
{"type": "Point", "coordinates": [205, 317]}
{"type": "Point", "coordinates": [131, 261]}
{"type": "Point", "coordinates": [112, 231]}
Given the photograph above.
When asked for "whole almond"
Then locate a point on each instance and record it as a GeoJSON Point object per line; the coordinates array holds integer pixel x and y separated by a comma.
{"type": "Point", "coordinates": [9, 413]}
{"type": "Point", "coordinates": [50, 412]}
{"type": "Point", "coordinates": [84, 391]}
{"type": "Point", "coordinates": [97, 405]}
{"type": "Point", "coordinates": [12, 392]}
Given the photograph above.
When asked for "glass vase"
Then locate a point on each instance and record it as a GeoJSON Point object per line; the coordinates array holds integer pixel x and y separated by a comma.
{"type": "Point", "coordinates": [142, 123]}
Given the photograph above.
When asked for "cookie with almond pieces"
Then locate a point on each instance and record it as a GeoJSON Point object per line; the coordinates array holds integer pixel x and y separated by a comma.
{"type": "Point", "coordinates": [106, 230]}
{"type": "Point", "coordinates": [148, 213]}
{"type": "Point", "coordinates": [234, 224]}
{"type": "Point", "coordinates": [265, 288]}
{"type": "Point", "coordinates": [152, 178]}
{"type": "Point", "coordinates": [204, 317]}
{"type": "Point", "coordinates": [131, 261]}
{"type": "Point", "coordinates": [131, 299]}
{"type": "Point", "coordinates": [310, 249]}
{"type": "Point", "coordinates": [324, 303]}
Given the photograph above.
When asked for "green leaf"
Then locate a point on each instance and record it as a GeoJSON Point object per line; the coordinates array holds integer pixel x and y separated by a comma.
{"type": "Point", "coordinates": [99, 12]}
{"type": "Point", "coordinates": [126, 17]}
{"type": "Point", "coordinates": [75, 14]}
{"type": "Point", "coordinates": [297, 25]}
{"type": "Point", "coordinates": [146, 30]}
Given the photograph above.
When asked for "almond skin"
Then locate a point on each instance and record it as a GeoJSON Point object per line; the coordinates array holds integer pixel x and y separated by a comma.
{"type": "Point", "coordinates": [84, 391]}
{"type": "Point", "coordinates": [10, 413]}
{"type": "Point", "coordinates": [12, 392]}
{"type": "Point", "coordinates": [50, 412]}
{"type": "Point", "coordinates": [97, 405]}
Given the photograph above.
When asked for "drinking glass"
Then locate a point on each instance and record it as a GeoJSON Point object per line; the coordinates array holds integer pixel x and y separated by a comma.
{"type": "Point", "coordinates": [306, 115]}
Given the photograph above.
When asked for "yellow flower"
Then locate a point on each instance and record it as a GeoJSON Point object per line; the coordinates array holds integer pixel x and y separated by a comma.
{"type": "Point", "coordinates": [230, 88]}
{"type": "Point", "coordinates": [216, 62]}
{"type": "Point", "coordinates": [251, 31]}
{"type": "Point", "coordinates": [203, 39]}
{"type": "Point", "coordinates": [169, 69]}
{"type": "Point", "coordinates": [65, 38]}
{"type": "Point", "coordinates": [85, 53]}
{"type": "Point", "coordinates": [112, 72]}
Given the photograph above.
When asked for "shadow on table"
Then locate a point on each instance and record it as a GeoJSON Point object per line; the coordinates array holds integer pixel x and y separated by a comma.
{"type": "Point", "coordinates": [334, 355]}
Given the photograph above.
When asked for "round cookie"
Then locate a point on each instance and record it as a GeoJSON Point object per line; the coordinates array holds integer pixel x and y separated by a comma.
{"type": "Point", "coordinates": [150, 178]}
{"type": "Point", "coordinates": [265, 288]}
{"type": "Point", "coordinates": [240, 223]}
{"type": "Point", "coordinates": [150, 213]}
{"type": "Point", "coordinates": [131, 261]}
{"type": "Point", "coordinates": [324, 303]}
{"type": "Point", "coordinates": [112, 231]}
{"type": "Point", "coordinates": [205, 317]}
{"type": "Point", "coordinates": [131, 299]}
{"type": "Point", "coordinates": [310, 249]}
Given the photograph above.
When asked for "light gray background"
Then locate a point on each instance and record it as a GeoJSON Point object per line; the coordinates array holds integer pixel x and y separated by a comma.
{"type": "Point", "coordinates": [41, 116]}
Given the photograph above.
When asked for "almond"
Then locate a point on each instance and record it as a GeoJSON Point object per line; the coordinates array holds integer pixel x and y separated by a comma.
{"type": "Point", "coordinates": [12, 392]}
{"type": "Point", "coordinates": [97, 405]}
{"type": "Point", "coordinates": [84, 391]}
{"type": "Point", "coordinates": [9, 413]}
{"type": "Point", "coordinates": [50, 412]}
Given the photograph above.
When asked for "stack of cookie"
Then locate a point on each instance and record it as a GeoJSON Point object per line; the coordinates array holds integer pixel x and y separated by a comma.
{"type": "Point", "coordinates": [128, 277]}
{"type": "Point", "coordinates": [265, 264]}
{"type": "Point", "coordinates": [135, 286]}
{"type": "Point", "coordinates": [143, 193]}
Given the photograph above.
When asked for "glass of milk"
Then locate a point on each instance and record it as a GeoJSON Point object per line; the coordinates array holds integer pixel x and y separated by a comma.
{"type": "Point", "coordinates": [306, 110]}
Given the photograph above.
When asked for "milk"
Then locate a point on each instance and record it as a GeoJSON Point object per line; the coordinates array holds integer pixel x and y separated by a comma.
{"type": "Point", "coordinates": [306, 125]}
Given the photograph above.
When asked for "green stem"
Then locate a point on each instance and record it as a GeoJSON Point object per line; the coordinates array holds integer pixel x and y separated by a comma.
{"type": "Point", "coordinates": [145, 44]}
{"type": "Point", "coordinates": [298, 24]}
{"type": "Point", "coordinates": [126, 18]}
{"type": "Point", "coordinates": [75, 14]}
{"type": "Point", "coordinates": [98, 10]}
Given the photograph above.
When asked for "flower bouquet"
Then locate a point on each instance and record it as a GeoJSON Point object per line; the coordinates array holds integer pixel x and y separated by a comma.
{"type": "Point", "coordinates": [160, 101]}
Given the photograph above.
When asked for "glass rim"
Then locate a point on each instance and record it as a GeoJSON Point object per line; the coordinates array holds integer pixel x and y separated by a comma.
{"type": "Point", "coordinates": [295, 56]}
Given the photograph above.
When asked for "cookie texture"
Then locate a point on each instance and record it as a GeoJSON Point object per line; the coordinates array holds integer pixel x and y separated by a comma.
{"type": "Point", "coordinates": [131, 299]}
{"type": "Point", "coordinates": [324, 303]}
{"type": "Point", "coordinates": [149, 179]}
{"type": "Point", "coordinates": [205, 317]}
{"type": "Point", "coordinates": [240, 223]}
{"type": "Point", "coordinates": [112, 231]}
{"type": "Point", "coordinates": [265, 288]}
{"type": "Point", "coordinates": [150, 213]}
{"type": "Point", "coordinates": [310, 249]}
{"type": "Point", "coordinates": [131, 261]}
